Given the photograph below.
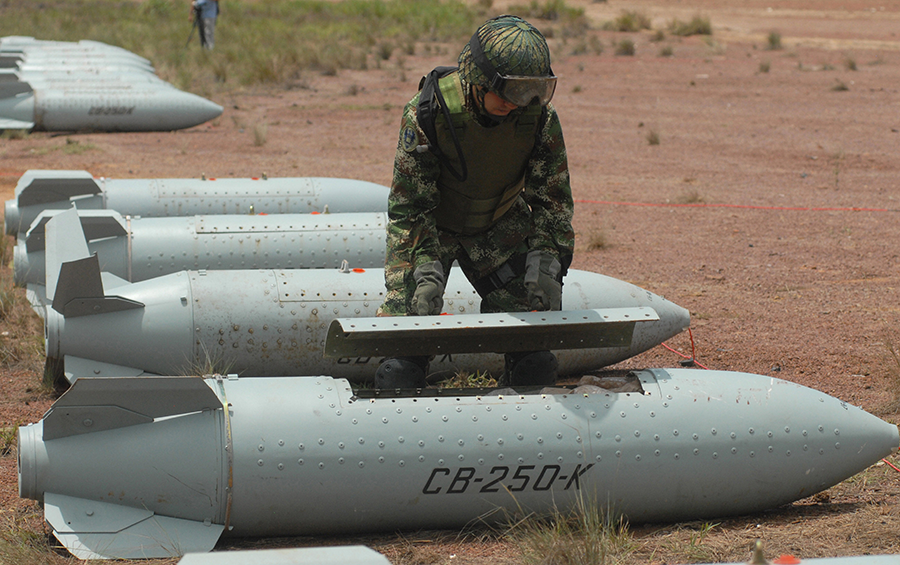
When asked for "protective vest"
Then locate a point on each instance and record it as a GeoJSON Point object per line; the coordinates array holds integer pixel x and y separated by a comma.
{"type": "Point", "coordinates": [496, 158]}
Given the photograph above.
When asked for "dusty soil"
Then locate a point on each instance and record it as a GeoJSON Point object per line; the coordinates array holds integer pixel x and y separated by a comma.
{"type": "Point", "coordinates": [769, 208]}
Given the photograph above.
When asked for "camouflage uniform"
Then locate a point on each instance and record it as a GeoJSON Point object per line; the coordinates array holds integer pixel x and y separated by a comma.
{"type": "Point", "coordinates": [540, 219]}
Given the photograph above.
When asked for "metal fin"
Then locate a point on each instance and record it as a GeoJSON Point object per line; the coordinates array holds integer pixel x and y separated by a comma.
{"type": "Point", "coordinates": [338, 555]}
{"type": "Point", "coordinates": [96, 224]}
{"type": "Point", "coordinates": [74, 283]}
{"type": "Point", "coordinates": [52, 186]}
{"type": "Point", "coordinates": [84, 408]}
{"type": "Point", "coordinates": [6, 123]}
{"type": "Point", "coordinates": [481, 333]}
{"type": "Point", "coordinates": [65, 242]}
{"type": "Point", "coordinates": [100, 530]}
{"type": "Point", "coordinates": [78, 367]}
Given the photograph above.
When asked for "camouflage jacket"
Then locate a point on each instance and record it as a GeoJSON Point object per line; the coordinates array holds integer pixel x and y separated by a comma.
{"type": "Point", "coordinates": [541, 218]}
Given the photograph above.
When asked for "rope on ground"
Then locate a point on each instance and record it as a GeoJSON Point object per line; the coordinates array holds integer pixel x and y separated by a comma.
{"type": "Point", "coordinates": [692, 357]}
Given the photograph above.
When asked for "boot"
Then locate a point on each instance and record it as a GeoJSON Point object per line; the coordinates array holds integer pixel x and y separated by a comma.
{"type": "Point", "coordinates": [530, 368]}
{"type": "Point", "coordinates": [402, 372]}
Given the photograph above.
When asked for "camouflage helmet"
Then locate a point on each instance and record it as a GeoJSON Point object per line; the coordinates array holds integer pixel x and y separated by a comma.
{"type": "Point", "coordinates": [509, 57]}
{"type": "Point", "coordinates": [512, 45]}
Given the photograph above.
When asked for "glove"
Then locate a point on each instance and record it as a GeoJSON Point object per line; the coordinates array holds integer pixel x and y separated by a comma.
{"type": "Point", "coordinates": [541, 272]}
{"type": "Point", "coordinates": [429, 296]}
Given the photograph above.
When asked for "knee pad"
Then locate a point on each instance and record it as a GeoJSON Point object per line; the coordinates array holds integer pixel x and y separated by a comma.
{"type": "Point", "coordinates": [401, 372]}
{"type": "Point", "coordinates": [532, 368]}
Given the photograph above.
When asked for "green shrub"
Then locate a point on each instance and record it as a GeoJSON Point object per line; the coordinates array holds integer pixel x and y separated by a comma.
{"type": "Point", "coordinates": [697, 26]}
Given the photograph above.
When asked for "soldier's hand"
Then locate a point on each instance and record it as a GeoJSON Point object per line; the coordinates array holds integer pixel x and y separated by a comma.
{"type": "Point", "coordinates": [541, 272]}
{"type": "Point", "coordinates": [429, 296]}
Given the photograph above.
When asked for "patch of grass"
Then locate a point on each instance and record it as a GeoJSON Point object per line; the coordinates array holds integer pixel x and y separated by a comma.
{"type": "Point", "coordinates": [469, 380]}
{"type": "Point", "coordinates": [208, 363]}
{"type": "Point", "coordinates": [764, 66]}
{"type": "Point", "coordinates": [836, 161]}
{"type": "Point", "coordinates": [840, 86]}
{"type": "Point", "coordinates": [658, 36]}
{"type": "Point", "coordinates": [666, 51]}
{"type": "Point", "coordinates": [550, 10]}
{"type": "Point", "coordinates": [75, 147]}
{"type": "Point", "coordinates": [628, 21]}
{"type": "Point", "coordinates": [8, 439]}
{"type": "Point", "coordinates": [713, 46]}
{"type": "Point", "coordinates": [625, 48]}
{"type": "Point", "coordinates": [773, 41]}
{"type": "Point", "coordinates": [260, 134]}
{"type": "Point", "coordinates": [14, 134]}
{"type": "Point", "coordinates": [850, 64]}
{"type": "Point", "coordinates": [690, 197]}
{"type": "Point", "coordinates": [893, 371]}
{"type": "Point", "coordinates": [21, 329]}
{"type": "Point", "coordinates": [587, 533]}
{"type": "Point", "coordinates": [652, 137]}
{"type": "Point", "coordinates": [591, 44]}
{"type": "Point", "coordinates": [697, 26]}
{"type": "Point", "coordinates": [269, 42]}
{"type": "Point", "coordinates": [596, 241]}
{"type": "Point", "coordinates": [692, 549]}
{"type": "Point", "coordinates": [385, 50]}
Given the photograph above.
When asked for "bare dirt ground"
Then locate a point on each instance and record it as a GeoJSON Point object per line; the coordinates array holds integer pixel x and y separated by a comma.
{"type": "Point", "coordinates": [770, 208]}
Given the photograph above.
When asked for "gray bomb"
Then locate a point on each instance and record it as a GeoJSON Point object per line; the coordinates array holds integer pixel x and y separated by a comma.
{"type": "Point", "coordinates": [39, 190]}
{"type": "Point", "coordinates": [137, 249]}
{"type": "Point", "coordinates": [274, 322]}
{"type": "Point", "coordinates": [156, 467]}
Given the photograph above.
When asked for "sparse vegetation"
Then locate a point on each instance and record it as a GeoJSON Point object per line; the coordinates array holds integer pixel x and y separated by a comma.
{"type": "Point", "coordinates": [275, 42]}
{"type": "Point", "coordinates": [260, 134]}
{"type": "Point", "coordinates": [208, 363]}
{"type": "Point", "coordinates": [764, 66]}
{"type": "Point", "coordinates": [666, 51]}
{"type": "Point", "coordinates": [625, 47]}
{"type": "Point", "coordinates": [773, 41]}
{"type": "Point", "coordinates": [14, 134]}
{"type": "Point", "coordinates": [850, 64]}
{"type": "Point", "coordinates": [714, 47]}
{"type": "Point", "coordinates": [75, 147]}
{"type": "Point", "coordinates": [597, 240]}
{"type": "Point", "coordinates": [468, 380]}
{"type": "Point", "coordinates": [551, 10]}
{"type": "Point", "coordinates": [7, 439]}
{"type": "Point", "coordinates": [652, 137]}
{"type": "Point", "coordinates": [697, 26]}
{"type": "Point", "coordinates": [840, 86]}
{"type": "Point", "coordinates": [628, 21]}
{"type": "Point", "coordinates": [692, 548]}
{"type": "Point", "coordinates": [586, 534]}
{"type": "Point", "coordinates": [892, 365]}
{"type": "Point", "coordinates": [690, 197]}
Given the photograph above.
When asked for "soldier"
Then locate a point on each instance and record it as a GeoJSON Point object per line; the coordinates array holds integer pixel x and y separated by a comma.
{"type": "Point", "coordinates": [204, 14]}
{"type": "Point", "coordinates": [492, 193]}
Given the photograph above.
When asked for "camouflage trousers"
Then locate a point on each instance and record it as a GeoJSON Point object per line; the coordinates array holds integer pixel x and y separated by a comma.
{"type": "Point", "coordinates": [511, 297]}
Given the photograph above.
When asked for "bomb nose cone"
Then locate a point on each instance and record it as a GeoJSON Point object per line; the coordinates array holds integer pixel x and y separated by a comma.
{"type": "Point", "coordinates": [199, 110]}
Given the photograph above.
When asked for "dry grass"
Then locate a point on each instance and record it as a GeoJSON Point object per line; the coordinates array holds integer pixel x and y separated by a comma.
{"type": "Point", "coordinates": [690, 197]}
{"type": "Point", "coordinates": [586, 534]}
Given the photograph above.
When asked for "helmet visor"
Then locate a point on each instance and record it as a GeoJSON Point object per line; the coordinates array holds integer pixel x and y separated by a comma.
{"type": "Point", "coordinates": [524, 90]}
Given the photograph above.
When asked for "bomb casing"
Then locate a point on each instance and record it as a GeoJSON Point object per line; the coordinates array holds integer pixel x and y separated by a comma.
{"type": "Point", "coordinates": [39, 190]}
{"type": "Point", "coordinates": [159, 466]}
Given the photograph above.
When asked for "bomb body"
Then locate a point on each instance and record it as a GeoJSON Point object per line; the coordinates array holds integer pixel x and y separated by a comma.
{"type": "Point", "coordinates": [137, 249]}
{"type": "Point", "coordinates": [39, 190]}
{"type": "Point", "coordinates": [156, 467]}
